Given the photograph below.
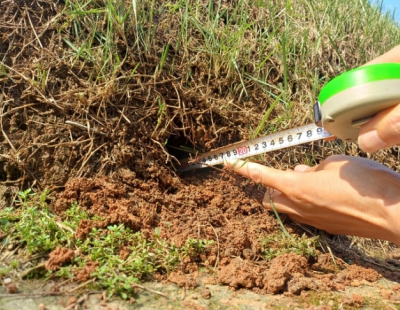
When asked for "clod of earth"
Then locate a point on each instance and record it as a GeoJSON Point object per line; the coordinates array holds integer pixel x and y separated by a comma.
{"type": "Point", "coordinates": [140, 89]}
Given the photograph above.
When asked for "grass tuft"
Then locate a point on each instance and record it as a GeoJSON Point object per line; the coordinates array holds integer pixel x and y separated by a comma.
{"type": "Point", "coordinates": [279, 243]}
{"type": "Point", "coordinates": [121, 255]}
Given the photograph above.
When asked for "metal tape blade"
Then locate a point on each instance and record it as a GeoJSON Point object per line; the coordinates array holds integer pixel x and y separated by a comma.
{"type": "Point", "coordinates": [264, 144]}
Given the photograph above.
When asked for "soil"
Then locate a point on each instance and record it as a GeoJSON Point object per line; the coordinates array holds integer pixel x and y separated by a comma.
{"type": "Point", "coordinates": [58, 257]}
{"type": "Point", "coordinates": [382, 294]}
{"type": "Point", "coordinates": [125, 174]}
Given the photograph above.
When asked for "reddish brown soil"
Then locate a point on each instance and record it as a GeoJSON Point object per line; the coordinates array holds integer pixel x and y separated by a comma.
{"type": "Point", "coordinates": [290, 273]}
{"type": "Point", "coordinates": [12, 288]}
{"type": "Point", "coordinates": [59, 257]}
{"type": "Point", "coordinates": [205, 208]}
{"type": "Point", "coordinates": [83, 274]}
{"type": "Point", "coordinates": [126, 176]}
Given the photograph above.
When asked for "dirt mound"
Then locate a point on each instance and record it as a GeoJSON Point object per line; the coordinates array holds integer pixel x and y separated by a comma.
{"type": "Point", "coordinates": [58, 257]}
{"type": "Point", "coordinates": [290, 273]}
{"type": "Point", "coordinates": [106, 130]}
{"type": "Point", "coordinates": [204, 208]}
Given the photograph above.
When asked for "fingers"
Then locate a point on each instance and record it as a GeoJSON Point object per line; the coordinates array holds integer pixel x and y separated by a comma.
{"type": "Point", "coordinates": [330, 138]}
{"type": "Point", "coordinates": [274, 178]}
{"type": "Point", "coordinates": [382, 131]}
{"type": "Point", "coordinates": [281, 203]}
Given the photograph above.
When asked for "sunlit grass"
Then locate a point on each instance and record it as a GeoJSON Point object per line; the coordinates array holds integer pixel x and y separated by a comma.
{"type": "Point", "coordinates": [289, 49]}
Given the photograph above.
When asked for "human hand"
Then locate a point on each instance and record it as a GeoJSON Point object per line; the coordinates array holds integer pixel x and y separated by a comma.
{"type": "Point", "coordinates": [384, 129]}
{"type": "Point", "coordinates": [342, 195]}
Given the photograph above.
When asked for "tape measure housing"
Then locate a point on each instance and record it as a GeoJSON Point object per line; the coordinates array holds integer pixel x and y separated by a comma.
{"type": "Point", "coordinates": [355, 96]}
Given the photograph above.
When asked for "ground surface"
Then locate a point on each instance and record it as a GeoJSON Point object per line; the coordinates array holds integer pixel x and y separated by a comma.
{"type": "Point", "coordinates": [122, 172]}
{"type": "Point", "coordinates": [382, 294]}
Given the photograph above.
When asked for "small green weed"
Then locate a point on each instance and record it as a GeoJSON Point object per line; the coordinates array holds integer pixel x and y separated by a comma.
{"type": "Point", "coordinates": [39, 230]}
{"type": "Point", "coordinates": [123, 256]}
{"type": "Point", "coordinates": [24, 195]}
{"type": "Point", "coordinates": [74, 215]}
{"type": "Point", "coordinates": [194, 247]}
{"type": "Point", "coordinates": [277, 244]}
{"type": "Point", "coordinates": [6, 218]}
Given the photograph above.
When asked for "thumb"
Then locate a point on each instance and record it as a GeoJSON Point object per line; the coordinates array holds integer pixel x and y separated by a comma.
{"type": "Point", "coordinates": [382, 131]}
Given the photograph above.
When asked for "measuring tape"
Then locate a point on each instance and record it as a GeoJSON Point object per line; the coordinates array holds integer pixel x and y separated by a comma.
{"type": "Point", "coordinates": [273, 142]}
{"type": "Point", "coordinates": [344, 104]}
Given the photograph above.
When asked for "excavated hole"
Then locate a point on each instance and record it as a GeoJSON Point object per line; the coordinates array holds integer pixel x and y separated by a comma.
{"type": "Point", "coordinates": [176, 145]}
{"type": "Point", "coordinates": [23, 127]}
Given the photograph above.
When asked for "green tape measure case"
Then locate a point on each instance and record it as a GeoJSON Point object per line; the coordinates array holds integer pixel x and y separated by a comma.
{"type": "Point", "coordinates": [353, 98]}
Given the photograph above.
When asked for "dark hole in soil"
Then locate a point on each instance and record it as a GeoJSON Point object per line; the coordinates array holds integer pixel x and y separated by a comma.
{"type": "Point", "coordinates": [176, 145]}
{"type": "Point", "coordinates": [23, 127]}
{"type": "Point", "coordinates": [13, 172]}
{"type": "Point", "coordinates": [3, 174]}
{"type": "Point", "coordinates": [311, 260]}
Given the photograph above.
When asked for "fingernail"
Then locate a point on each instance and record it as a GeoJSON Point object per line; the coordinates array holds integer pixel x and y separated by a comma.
{"type": "Point", "coordinates": [301, 168]}
{"type": "Point", "coordinates": [370, 141]}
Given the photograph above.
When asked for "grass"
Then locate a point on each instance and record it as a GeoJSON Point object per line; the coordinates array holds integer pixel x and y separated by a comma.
{"type": "Point", "coordinates": [280, 243]}
{"type": "Point", "coordinates": [287, 49]}
{"type": "Point", "coordinates": [238, 65]}
{"type": "Point", "coordinates": [38, 231]}
{"type": "Point", "coordinates": [276, 55]}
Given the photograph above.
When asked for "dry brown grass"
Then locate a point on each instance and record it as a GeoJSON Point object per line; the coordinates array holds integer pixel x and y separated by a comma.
{"type": "Point", "coordinates": [87, 90]}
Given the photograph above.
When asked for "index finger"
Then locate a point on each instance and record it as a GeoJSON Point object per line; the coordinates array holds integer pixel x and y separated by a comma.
{"type": "Point", "coordinates": [280, 180]}
{"type": "Point", "coordinates": [382, 131]}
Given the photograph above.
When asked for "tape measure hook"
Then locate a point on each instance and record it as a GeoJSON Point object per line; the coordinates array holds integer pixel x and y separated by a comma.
{"type": "Point", "coordinates": [317, 114]}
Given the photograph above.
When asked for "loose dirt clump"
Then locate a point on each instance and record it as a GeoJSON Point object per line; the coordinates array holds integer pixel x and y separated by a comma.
{"type": "Point", "coordinates": [183, 280]}
{"type": "Point", "coordinates": [290, 273]}
{"type": "Point", "coordinates": [282, 269]}
{"type": "Point", "coordinates": [357, 273]}
{"type": "Point", "coordinates": [356, 300]}
{"type": "Point", "coordinates": [240, 274]}
{"type": "Point", "coordinates": [201, 209]}
{"type": "Point", "coordinates": [12, 288]}
{"type": "Point", "coordinates": [326, 264]}
{"type": "Point", "coordinates": [103, 198]}
{"type": "Point", "coordinates": [58, 257]}
{"type": "Point", "coordinates": [84, 274]}
{"type": "Point", "coordinates": [106, 131]}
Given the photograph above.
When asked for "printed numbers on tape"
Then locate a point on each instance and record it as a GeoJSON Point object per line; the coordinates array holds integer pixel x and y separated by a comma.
{"type": "Point", "coordinates": [276, 141]}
